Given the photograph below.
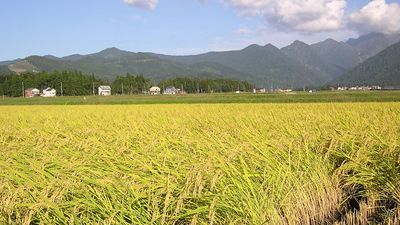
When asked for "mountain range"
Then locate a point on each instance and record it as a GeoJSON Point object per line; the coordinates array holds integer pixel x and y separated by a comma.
{"type": "Point", "coordinates": [296, 65]}
{"type": "Point", "coordinates": [382, 69]}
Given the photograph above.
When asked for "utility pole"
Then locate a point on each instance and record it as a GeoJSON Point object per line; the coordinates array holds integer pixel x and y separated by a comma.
{"type": "Point", "coordinates": [62, 93]}
{"type": "Point", "coordinates": [23, 90]}
{"type": "Point", "coordinates": [122, 88]}
{"type": "Point", "coordinates": [93, 88]}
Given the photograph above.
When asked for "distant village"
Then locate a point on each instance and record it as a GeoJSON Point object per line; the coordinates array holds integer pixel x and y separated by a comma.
{"type": "Point", "coordinates": [359, 88]}
{"type": "Point", "coordinates": [34, 92]}
{"type": "Point", "coordinates": [105, 90]}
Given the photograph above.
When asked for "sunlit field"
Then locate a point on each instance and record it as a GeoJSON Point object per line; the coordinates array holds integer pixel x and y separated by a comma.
{"type": "Point", "coordinates": [320, 163]}
{"type": "Point", "coordinates": [214, 98]}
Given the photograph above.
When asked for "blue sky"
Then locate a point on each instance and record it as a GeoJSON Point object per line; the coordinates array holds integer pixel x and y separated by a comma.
{"type": "Point", "coordinates": [63, 27]}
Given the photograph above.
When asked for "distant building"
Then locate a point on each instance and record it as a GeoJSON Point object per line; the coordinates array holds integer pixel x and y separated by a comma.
{"type": "Point", "coordinates": [391, 88]}
{"type": "Point", "coordinates": [259, 90]}
{"type": "Point", "coordinates": [376, 87]}
{"type": "Point", "coordinates": [104, 90]}
{"type": "Point", "coordinates": [170, 90]}
{"type": "Point", "coordinates": [32, 92]}
{"type": "Point", "coordinates": [364, 88]}
{"type": "Point", "coordinates": [360, 88]}
{"type": "Point", "coordinates": [285, 90]}
{"type": "Point", "coordinates": [155, 90]}
{"type": "Point", "coordinates": [353, 88]}
{"type": "Point", "coordinates": [49, 92]}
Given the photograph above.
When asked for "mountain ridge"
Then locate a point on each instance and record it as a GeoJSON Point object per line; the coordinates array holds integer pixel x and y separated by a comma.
{"type": "Point", "coordinates": [296, 65]}
{"type": "Point", "coordinates": [382, 69]}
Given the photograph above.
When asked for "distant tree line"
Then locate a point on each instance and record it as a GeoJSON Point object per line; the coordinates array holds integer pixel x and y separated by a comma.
{"type": "Point", "coordinates": [72, 83]}
{"type": "Point", "coordinates": [75, 83]}
{"type": "Point", "coordinates": [130, 84]}
{"type": "Point", "coordinates": [198, 85]}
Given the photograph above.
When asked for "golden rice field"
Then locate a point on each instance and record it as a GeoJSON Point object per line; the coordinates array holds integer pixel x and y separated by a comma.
{"type": "Point", "coordinates": [333, 163]}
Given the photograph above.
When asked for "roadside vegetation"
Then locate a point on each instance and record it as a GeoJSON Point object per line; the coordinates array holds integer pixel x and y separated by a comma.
{"type": "Point", "coordinates": [335, 163]}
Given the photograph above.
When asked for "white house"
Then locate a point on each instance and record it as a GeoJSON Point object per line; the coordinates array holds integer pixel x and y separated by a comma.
{"type": "Point", "coordinates": [170, 90]}
{"type": "Point", "coordinates": [285, 90]}
{"type": "Point", "coordinates": [32, 92]}
{"type": "Point", "coordinates": [155, 90]}
{"type": "Point", "coordinates": [259, 90]}
{"type": "Point", "coordinates": [49, 92]}
{"type": "Point", "coordinates": [104, 90]}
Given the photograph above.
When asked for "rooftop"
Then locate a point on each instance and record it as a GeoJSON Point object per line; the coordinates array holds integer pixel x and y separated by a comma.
{"type": "Point", "coordinates": [105, 87]}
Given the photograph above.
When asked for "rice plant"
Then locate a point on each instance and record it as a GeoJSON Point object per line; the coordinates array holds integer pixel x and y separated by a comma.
{"type": "Point", "coordinates": [200, 164]}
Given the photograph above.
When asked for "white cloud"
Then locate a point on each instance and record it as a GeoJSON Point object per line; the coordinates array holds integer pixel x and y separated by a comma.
{"type": "Point", "coordinates": [300, 15]}
{"type": "Point", "coordinates": [377, 16]}
{"type": "Point", "coordinates": [144, 4]}
{"type": "Point", "coordinates": [310, 16]}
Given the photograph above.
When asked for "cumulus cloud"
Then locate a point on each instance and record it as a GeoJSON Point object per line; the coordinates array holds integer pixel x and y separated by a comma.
{"type": "Point", "coordinates": [300, 15]}
{"type": "Point", "coordinates": [144, 4]}
{"type": "Point", "coordinates": [377, 16]}
{"type": "Point", "coordinates": [311, 16]}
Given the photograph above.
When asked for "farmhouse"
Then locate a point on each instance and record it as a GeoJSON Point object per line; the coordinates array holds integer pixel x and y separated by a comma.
{"type": "Point", "coordinates": [104, 90]}
{"type": "Point", "coordinates": [391, 88]}
{"type": "Point", "coordinates": [170, 90]}
{"type": "Point", "coordinates": [155, 90]}
{"type": "Point", "coordinates": [259, 90]}
{"type": "Point", "coordinates": [285, 90]}
{"type": "Point", "coordinates": [32, 92]}
{"type": "Point", "coordinates": [49, 92]}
